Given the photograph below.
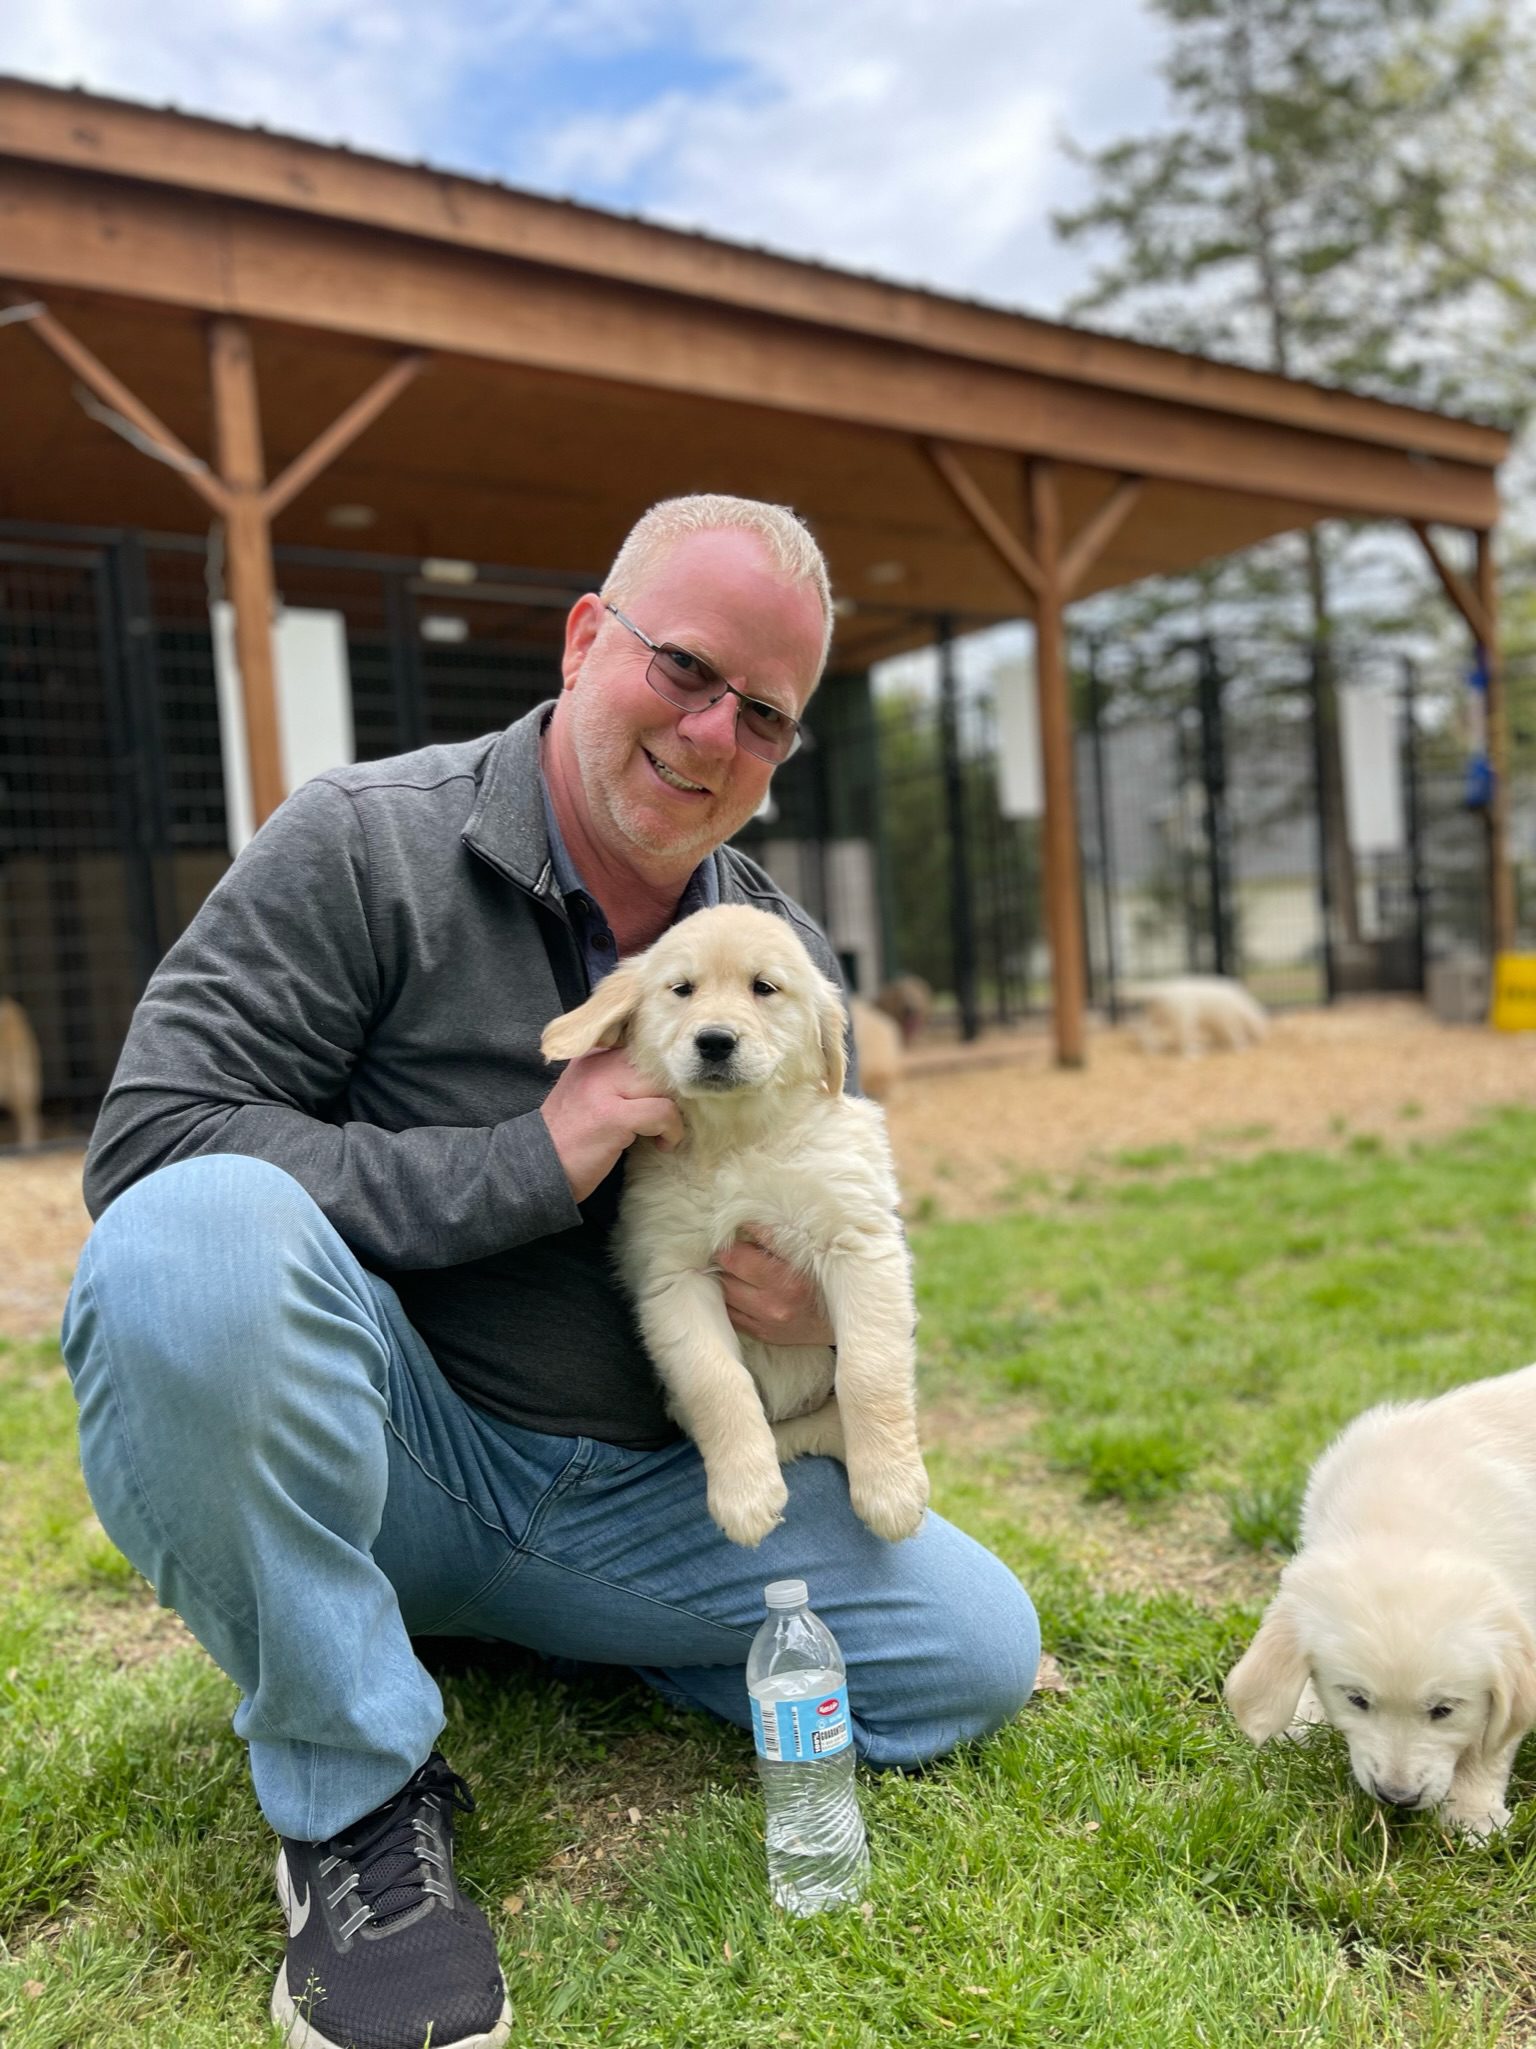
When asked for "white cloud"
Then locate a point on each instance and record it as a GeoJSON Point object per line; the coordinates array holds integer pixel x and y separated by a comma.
{"type": "Point", "coordinates": [325, 68]}
{"type": "Point", "coordinates": [916, 140]}
{"type": "Point", "coordinates": [912, 138]}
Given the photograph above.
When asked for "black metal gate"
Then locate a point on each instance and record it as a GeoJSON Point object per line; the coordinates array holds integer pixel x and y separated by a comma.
{"type": "Point", "coordinates": [79, 928]}
{"type": "Point", "coordinates": [112, 810]}
{"type": "Point", "coordinates": [1201, 822]}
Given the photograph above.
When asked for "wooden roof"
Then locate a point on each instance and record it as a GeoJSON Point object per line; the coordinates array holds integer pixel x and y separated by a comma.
{"type": "Point", "coordinates": [584, 364]}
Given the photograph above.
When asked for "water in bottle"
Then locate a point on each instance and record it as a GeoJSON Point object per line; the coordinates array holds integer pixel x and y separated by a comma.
{"type": "Point", "coordinates": [798, 1685]}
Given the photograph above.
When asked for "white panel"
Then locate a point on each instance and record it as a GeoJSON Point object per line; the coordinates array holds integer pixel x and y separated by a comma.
{"type": "Point", "coordinates": [314, 704]}
{"type": "Point", "coordinates": [1373, 777]}
{"type": "Point", "coordinates": [853, 908]}
{"type": "Point", "coordinates": [237, 774]}
{"type": "Point", "coordinates": [1021, 791]}
{"type": "Point", "coordinates": [314, 694]}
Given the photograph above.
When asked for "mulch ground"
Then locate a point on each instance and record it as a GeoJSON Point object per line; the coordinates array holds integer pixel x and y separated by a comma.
{"type": "Point", "coordinates": [976, 1126]}
{"type": "Point", "coordinates": [972, 1126]}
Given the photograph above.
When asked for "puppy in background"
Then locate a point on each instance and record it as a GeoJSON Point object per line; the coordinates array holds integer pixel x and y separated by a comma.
{"type": "Point", "coordinates": [728, 1014]}
{"type": "Point", "coordinates": [908, 1001]}
{"type": "Point", "coordinates": [1407, 1618]}
{"type": "Point", "coordinates": [877, 1041]}
{"type": "Point", "coordinates": [1187, 1012]}
{"type": "Point", "coordinates": [21, 1072]}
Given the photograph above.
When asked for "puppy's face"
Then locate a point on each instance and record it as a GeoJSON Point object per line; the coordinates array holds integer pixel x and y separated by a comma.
{"type": "Point", "coordinates": [1408, 1673]}
{"type": "Point", "coordinates": [727, 1003]}
{"type": "Point", "coordinates": [1417, 1663]}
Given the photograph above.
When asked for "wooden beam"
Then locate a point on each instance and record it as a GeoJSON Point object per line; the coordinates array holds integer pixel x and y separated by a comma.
{"type": "Point", "coordinates": [85, 135]}
{"type": "Point", "coordinates": [1461, 594]}
{"type": "Point", "coordinates": [247, 555]}
{"type": "Point", "coordinates": [1063, 881]}
{"type": "Point", "coordinates": [114, 393]}
{"type": "Point", "coordinates": [989, 522]}
{"type": "Point", "coordinates": [1096, 535]}
{"type": "Point", "coordinates": [1040, 572]}
{"type": "Point", "coordinates": [1500, 873]}
{"type": "Point", "coordinates": [161, 246]}
{"type": "Point", "coordinates": [341, 433]}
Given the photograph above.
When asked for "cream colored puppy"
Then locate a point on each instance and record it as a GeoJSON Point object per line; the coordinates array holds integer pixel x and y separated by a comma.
{"type": "Point", "coordinates": [1184, 1013]}
{"type": "Point", "coordinates": [1407, 1618]}
{"type": "Point", "coordinates": [21, 1072]}
{"type": "Point", "coordinates": [877, 1040]}
{"type": "Point", "coordinates": [728, 1014]}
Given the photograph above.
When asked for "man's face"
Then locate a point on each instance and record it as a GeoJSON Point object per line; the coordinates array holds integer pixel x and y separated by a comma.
{"type": "Point", "coordinates": [667, 785]}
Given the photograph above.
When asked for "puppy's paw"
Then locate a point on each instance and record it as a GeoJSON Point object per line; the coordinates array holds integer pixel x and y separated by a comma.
{"type": "Point", "coordinates": [747, 1506]}
{"type": "Point", "coordinates": [890, 1499]}
{"type": "Point", "coordinates": [1476, 1819]}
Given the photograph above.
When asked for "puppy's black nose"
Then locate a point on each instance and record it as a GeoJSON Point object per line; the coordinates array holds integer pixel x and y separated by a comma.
{"type": "Point", "coordinates": [714, 1043]}
{"type": "Point", "coordinates": [1395, 1796]}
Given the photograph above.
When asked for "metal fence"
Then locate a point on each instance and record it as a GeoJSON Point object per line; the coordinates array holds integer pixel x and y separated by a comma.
{"type": "Point", "coordinates": [1200, 812]}
{"type": "Point", "coordinates": [112, 811]}
{"type": "Point", "coordinates": [1203, 812]}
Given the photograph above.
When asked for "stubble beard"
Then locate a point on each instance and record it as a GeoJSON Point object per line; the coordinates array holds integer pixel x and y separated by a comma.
{"type": "Point", "coordinates": [606, 766]}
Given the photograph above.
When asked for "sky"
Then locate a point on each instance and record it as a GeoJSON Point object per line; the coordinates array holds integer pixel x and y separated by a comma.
{"type": "Point", "coordinates": [919, 140]}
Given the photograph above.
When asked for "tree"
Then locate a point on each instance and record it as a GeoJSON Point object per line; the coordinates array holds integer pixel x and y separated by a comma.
{"type": "Point", "coordinates": [1313, 209]}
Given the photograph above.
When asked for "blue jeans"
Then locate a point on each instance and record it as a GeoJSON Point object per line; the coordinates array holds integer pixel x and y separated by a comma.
{"type": "Point", "coordinates": [269, 1442]}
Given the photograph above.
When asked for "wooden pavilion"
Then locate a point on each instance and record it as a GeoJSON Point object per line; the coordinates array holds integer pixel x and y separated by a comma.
{"type": "Point", "coordinates": [292, 327]}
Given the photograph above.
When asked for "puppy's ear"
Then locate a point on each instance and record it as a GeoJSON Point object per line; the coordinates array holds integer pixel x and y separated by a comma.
{"type": "Point", "coordinates": [1513, 1707]}
{"type": "Point", "coordinates": [831, 1026]}
{"type": "Point", "coordinates": [601, 1021]}
{"type": "Point", "coordinates": [1264, 1686]}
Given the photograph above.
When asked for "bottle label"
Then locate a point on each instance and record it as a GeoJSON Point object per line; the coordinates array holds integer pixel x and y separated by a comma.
{"type": "Point", "coordinates": [792, 1731]}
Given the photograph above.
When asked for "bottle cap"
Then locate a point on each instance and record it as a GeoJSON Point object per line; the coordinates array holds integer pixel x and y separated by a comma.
{"type": "Point", "coordinates": [786, 1593]}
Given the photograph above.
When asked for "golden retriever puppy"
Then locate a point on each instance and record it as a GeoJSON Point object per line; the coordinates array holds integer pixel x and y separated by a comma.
{"type": "Point", "coordinates": [877, 1041]}
{"type": "Point", "coordinates": [1407, 1618]}
{"type": "Point", "coordinates": [908, 1001]}
{"type": "Point", "coordinates": [1187, 1012]}
{"type": "Point", "coordinates": [21, 1072]}
{"type": "Point", "coordinates": [728, 1014]}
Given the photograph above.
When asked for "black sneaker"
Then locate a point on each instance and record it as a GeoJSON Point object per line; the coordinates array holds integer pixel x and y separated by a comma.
{"type": "Point", "coordinates": [384, 1951]}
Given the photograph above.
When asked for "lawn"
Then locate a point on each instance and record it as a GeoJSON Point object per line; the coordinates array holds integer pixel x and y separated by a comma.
{"type": "Point", "coordinates": [1128, 1380]}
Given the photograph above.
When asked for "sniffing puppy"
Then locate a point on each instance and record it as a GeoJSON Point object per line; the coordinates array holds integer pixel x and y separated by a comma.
{"type": "Point", "coordinates": [728, 1014]}
{"type": "Point", "coordinates": [1407, 1618]}
{"type": "Point", "coordinates": [1188, 1012]}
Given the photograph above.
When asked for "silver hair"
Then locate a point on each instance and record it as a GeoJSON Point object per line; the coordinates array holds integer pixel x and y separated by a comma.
{"type": "Point", "coordinates": [787, 540]}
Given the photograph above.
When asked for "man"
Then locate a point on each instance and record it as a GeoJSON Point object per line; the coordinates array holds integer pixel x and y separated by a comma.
{"type": "Point", "coordinates": [350, 1362]}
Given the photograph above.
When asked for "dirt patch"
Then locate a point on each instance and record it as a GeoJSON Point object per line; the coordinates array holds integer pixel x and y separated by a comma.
{"type": "Point", "coordinates": [43, 1224]}
{"type": "Point", "coordinates": [974, 1127]}
{"type": "Point", "coordinates": [1184, 1543]}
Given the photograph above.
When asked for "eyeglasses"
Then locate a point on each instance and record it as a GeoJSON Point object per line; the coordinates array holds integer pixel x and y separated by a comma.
{"type": "Point", "coordinates": [687, 683]}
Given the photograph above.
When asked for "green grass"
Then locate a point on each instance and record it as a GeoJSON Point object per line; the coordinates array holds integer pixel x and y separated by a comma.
{"type": "Point", "coordinates": [1117, 1867]}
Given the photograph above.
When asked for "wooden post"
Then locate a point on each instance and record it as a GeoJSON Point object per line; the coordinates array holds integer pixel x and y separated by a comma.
{"type": "Point", "coordinates": [1050, 572]}
{"type": "Point", "coordinates": [1500, 875]}
{"type": "Point", "coordinates": [1063, 888]}
{"type": "Point", "coordinates": [247, 554]}
{"type": "Point", "coordinates": [242, 498]}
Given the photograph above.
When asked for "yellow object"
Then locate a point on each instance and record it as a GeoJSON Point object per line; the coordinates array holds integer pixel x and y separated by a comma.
{"type": "Point", "coordinates": [1514, 992]}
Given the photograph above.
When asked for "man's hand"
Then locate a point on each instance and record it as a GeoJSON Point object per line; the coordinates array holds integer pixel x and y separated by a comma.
{"type": "Point", "coordinates": [596, 1111]}
{"type": "Point", "coordinates": [768, 1300]}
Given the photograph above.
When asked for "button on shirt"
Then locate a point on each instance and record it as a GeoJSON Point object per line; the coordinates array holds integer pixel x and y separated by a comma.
{"type": "Point", "coordinates": [594, 935]}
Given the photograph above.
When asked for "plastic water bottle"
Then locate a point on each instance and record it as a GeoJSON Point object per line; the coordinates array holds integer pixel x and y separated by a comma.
{"type": "Point", "coordinates": [798, 1683]}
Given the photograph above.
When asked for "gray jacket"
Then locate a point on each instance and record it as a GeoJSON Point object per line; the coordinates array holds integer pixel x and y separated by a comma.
{"type": "Point", "coordinates": [360, 1001]}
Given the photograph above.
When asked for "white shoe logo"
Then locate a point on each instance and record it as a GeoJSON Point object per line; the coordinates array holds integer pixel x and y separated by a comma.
{"type": "Point", "coordinates": [298, 1914]}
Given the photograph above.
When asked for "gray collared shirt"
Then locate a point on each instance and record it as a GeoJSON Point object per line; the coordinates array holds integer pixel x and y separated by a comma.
{"type": "Point", "coordinates": [589, 922]}
{"type": "Point", "coordinates": [359, 1002]}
